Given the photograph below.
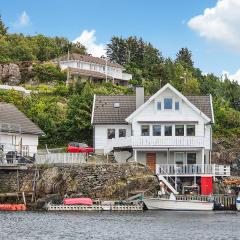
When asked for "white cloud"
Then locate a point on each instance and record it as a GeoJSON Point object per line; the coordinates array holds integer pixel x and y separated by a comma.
{"type": "Point", "coordinates": [233, 77]}
{"type": "Point", "coordinates": [23, 20]}
{"type": "Point", "coordinates": [220, 23]}
{"type": "Point", "coordinates": [88, 39]}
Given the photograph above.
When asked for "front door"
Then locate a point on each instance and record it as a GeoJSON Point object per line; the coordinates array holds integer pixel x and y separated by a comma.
{"type": "Point", "coordinates": [151, 161]}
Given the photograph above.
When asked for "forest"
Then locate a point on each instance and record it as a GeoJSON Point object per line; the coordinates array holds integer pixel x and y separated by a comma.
{"type": "Point", "coordinates": [64, 112]}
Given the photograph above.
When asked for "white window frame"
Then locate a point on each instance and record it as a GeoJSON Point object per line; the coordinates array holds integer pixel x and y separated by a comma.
{"type": "Point", "coordinates": [184, 157]}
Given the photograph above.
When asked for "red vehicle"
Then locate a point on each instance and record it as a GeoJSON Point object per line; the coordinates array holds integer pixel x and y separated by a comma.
{"type": "Point", "coordinates": [75, 147]}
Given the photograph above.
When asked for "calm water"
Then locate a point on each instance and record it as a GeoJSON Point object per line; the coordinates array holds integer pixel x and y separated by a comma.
{"type": "Point", "coordinates": [107, 225]}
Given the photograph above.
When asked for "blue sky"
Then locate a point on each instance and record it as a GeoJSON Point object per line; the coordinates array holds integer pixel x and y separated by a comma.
{"type": "Point", "coordinates": [212, 35]}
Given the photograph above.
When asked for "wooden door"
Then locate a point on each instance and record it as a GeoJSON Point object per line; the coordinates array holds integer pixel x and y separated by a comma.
{"type": "Point", "coordinates": [151, 161]}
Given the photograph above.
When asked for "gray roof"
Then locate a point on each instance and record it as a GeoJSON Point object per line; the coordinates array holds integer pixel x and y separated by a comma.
{"type": "Point", "coordinates": [86, 58]}
{"type": "Point", "coordinates": [105, 113]}
{"type": "Point", "coordinates": [13, 120]}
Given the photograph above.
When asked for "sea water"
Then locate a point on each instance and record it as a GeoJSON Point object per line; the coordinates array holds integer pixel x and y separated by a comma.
{"type": "Point", "coordinates": [120, 225]}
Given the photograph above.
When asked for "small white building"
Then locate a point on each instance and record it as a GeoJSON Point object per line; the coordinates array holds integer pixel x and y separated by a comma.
{"type": "Point", "coordinates": [169, 132]}
{"type": "Point", "coordinates": [94, 69]}
{"type": "Point", "coordinates": [17, 132]}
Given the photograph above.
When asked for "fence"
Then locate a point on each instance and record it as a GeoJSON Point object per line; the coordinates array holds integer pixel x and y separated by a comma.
{"type": "Point", "coordinates": [61, 158]}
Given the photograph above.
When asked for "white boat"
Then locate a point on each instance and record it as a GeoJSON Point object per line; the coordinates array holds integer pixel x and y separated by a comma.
{"type": "Point", "coordinates": [177, 205]}
{"type": "Point", "coordinates": [238, 203]}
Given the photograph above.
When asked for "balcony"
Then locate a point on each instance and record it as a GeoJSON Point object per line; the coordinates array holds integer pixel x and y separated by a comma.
{"type": "Point", "coordinates": [158, 142]}
{"type": "Point", "coordinates": [152, 141]}
{"type": "Point", "coordinates": [192, 170]}
{"type": "Point", "coordinates": [126, 76]}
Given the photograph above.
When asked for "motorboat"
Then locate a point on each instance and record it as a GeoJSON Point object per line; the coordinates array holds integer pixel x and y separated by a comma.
{"type": "Point", "coordinates": [172, 203]}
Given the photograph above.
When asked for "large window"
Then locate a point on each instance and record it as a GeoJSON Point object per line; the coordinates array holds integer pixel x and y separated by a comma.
{"type": "Point", "coordinates": [168, 130]}
{"type": "Point", "coordinates": [179, 158]}
{"type": "Point", "coordinates": [145, 130]}
{"type": "Point", "coordinates": [156, 130]}
{"type": "Point", "coordinates": [122, 133]}
{"type": "Point", "coordinates": [190, 130]}
{"type": "Point", "coordinates": [179, 130]}
{"type": "Point", "coordinates": [191, 158]}
{"type": "Point", "coordinates": [167, 103]}
{"type": "Point", "coordinates": [111, 133]}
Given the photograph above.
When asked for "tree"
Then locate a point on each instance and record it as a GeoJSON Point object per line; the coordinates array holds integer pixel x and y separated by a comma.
{"type": "Point", "coordinates": [3, 28]}
{"type": "Point", "coordinates": [184, 56]}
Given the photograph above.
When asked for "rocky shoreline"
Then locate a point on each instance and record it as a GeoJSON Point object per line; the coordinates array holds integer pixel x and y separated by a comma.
{"type": "Point", "coordinates": [98, 181]}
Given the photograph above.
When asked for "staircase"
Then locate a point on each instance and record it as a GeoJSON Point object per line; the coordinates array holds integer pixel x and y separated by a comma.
{"type": "Point", "coordinates": [168, 184]}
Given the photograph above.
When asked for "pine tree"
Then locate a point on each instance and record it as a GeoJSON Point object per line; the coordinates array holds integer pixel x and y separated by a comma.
{"type": "Point", "coordinates": [184, 56]}
{"type": "Point", "coordinates": [3, 28]}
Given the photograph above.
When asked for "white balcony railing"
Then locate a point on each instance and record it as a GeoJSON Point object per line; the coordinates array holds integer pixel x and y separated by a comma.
{"type": "Point", "coordinates": [192, 169]}
{"type": "Point", "coordinates": [126, 76]}
{"type": "Point", "coordinates": [154, 141]}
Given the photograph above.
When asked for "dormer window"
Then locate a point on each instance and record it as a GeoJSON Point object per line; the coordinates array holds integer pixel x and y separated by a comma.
{"type": "Point", "coordinates": [167, 103]}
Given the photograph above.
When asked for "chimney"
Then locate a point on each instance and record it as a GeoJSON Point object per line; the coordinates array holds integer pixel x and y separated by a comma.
{"type": "Point", "coordinates": [139, 96]}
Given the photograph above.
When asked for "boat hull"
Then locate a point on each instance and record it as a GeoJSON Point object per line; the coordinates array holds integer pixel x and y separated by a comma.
{"type": "Point", "coordinates": [177, 205]}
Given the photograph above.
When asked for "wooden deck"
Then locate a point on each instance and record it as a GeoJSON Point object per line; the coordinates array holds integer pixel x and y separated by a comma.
{"type": "Point", "coordinates": [100, 207]}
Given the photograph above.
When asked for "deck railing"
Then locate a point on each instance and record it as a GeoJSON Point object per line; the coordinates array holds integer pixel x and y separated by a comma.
{"type": "Point", "coordinates": [154, 141]}
{"type": "Point", "coordinates": [158, 141]}
{"type": "Point", "coordinates": [193, 169]}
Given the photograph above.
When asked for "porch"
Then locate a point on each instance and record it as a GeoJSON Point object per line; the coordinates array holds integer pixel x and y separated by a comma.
{"type": "Point", "coordinates": [188, 162]}
{"type": "Point", "coordinates": [175, 170]}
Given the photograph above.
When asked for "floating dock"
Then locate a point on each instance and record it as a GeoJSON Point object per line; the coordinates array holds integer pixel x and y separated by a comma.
{"type": "Point", "coordinates": [51, 207]}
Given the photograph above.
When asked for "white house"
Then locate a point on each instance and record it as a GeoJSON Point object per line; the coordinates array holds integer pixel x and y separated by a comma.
{"type": "Point", "coordinates": [169, 132]}
{"type": "Point", "coordinates": [17, 132]}
{"type": "Point", "coordinates": [89, 68]}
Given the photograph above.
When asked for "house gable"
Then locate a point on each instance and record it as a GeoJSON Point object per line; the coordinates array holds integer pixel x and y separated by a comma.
{"type": "Point", "coordinates": [169, 89]}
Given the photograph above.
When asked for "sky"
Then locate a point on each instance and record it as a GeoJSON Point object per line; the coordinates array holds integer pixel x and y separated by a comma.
{"type": "Point", "coordinates": [209, 28]}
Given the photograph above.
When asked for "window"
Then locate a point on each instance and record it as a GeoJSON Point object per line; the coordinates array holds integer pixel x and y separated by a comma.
{"type": "Point", "coordinates": [191, 158]}
{"type": "Point", "coordinates": [168, 131]}
{"type": "Point", "coordinates": [179, 158]}
{"type": "Point", "coordinates": [156, 130]}
{"type": "Point", "coordinates": [122, 133]}
{"type": "Point", "coordinates": [176, 105]}
{"type": "Point", "coordinates": [145, 130]}
{"type": "Point", "coordinates": [159, 106]}
{"type": "Point", "coordinates": [190, 130]}
{"type": "Point", "coordinates": [167, 103]}
{"type": "Point", "coordinates": [25, 150]}
{"type": "Point", "coordinates": [111, 133]}
{"type": "Point", "coordinates": [179, 130]}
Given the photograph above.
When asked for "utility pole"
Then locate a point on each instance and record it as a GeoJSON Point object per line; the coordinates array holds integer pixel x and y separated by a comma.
{"type": "Point", "coordinates": [68, 73]}
{"type": "Point", "coordinates": [106, 69]}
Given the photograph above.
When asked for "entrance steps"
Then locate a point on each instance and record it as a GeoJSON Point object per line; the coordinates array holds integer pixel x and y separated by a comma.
{"type": "Point", "coordinates": [168, 184]}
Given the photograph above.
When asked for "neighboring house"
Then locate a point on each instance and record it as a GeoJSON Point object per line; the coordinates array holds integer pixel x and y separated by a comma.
{"type": "Point", "coordinates": [17, 132]}
{"type": "Point", "coordinates": [93, 69]}
{"type": "Point", "coordinates": [168, 132]}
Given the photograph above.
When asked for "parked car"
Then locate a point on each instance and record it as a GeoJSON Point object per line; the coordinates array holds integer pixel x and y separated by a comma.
{"type": "Point", "coordinates": [75, 147]}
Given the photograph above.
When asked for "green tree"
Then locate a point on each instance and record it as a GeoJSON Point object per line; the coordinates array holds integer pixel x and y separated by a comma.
{"type": "Point", "coordinates": [184, 56]}
{"type": "Point", "coordinates": [3, 28]}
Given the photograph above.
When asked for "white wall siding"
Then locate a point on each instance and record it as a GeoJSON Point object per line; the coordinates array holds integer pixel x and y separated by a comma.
{"type": "Point", "coordinates": [101, 142]}
{"type": "Point", "coordinates": [12, 142]}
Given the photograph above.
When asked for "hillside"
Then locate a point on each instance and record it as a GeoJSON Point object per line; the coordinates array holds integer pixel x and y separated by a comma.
{"type": "Point", "coordinates": [63, 113]}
